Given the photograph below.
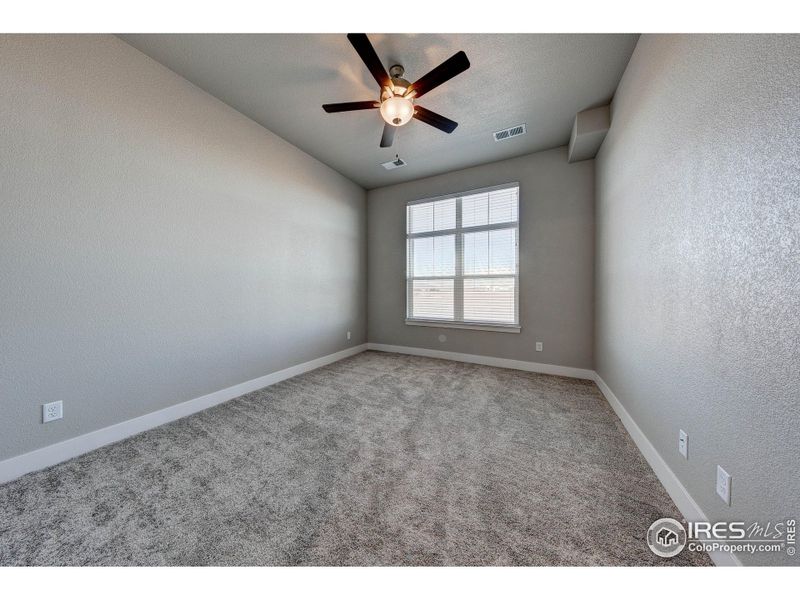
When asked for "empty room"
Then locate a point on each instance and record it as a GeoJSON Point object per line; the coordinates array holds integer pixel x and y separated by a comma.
{"type": "Point", "coordinates": [399, 299]}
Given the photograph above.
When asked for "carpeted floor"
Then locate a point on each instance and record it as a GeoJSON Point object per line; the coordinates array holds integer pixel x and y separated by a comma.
{"type": "Point", "coordinates": [380, 459]}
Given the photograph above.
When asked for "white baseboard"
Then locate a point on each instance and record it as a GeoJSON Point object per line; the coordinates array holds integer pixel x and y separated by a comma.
{"type": "Point", "coordinates": [507, 363]}
{"type": "Point", "coordinates": [16, 466]}
{"type": "Point", "coordinates": [690, 510]}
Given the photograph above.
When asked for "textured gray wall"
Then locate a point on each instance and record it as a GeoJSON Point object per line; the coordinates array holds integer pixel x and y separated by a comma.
{"type": "Point", "coordinates": [698, 263]}
{"type": "Point", "coordinates": [155, 245]}
{"type": "Point", "coordinates": [556, 261]}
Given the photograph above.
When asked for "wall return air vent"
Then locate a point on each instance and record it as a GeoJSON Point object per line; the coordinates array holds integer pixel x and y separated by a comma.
{"type": "Point", "coordinates": [506, 134]}
{"type": "Point", "coordinates": [394, 164]}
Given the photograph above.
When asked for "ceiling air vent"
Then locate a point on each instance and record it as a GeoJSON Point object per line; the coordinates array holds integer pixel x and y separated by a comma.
{"type": "Point", "coordinates": [394, 164]}
{"type": "Point", "coordinates": [505, 134]}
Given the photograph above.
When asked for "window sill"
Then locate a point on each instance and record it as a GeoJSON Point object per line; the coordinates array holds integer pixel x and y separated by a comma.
{"type": "Point", "coordinates": [475, 326]}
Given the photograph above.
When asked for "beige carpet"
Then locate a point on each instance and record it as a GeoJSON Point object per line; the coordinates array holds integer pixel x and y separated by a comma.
{"type": "Point", "coordinates": [380, 459]}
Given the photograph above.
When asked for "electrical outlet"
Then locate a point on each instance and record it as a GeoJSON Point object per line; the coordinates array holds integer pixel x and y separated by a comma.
{"type": "Point", "coordinates": [52, 411]}
{"type": "Point", "coordinates": [348, 335]}
{"type": "Point", "coordinates": [538, 346]}
{"type": "Point", "coordinates": [724, 485]}
{"type": "Point", "coordinates": [683, 443]}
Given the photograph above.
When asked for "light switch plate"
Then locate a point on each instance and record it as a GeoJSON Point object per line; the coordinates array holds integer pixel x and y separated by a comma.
{"type": "Point", "coordinates": [538, 346]}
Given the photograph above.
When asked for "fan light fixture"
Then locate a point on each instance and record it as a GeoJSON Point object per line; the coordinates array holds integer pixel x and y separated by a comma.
{"type": "Point", "coordinates": [397, 110]}
{"type": "Point", "coordinates": [397, 95]}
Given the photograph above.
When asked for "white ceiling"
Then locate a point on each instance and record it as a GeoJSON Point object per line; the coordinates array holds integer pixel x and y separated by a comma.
{"type": "Point", "coordinates": [282, 80]}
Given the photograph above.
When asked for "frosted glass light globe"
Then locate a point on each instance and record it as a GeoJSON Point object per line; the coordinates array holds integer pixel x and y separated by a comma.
{"type": "Point", "coordinates": [397, 110]}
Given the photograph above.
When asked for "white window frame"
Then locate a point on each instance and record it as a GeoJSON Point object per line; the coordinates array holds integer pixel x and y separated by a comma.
{"type": "Point", "coordinates": [458, 278]}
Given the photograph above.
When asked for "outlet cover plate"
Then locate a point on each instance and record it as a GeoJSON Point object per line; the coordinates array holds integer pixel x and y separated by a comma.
{"type": "Point", "coordinates": [724, 485]}
{"type": "Point", "coordinates": [683, 443]}
{"type": "Point", "coordinates": [52, 411]}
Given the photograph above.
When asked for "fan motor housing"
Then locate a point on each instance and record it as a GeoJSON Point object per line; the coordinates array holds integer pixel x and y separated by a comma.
{"type": "Point", "coordinates": [399, 84]}
{"type": "Point", "coordinates": [400, 87]}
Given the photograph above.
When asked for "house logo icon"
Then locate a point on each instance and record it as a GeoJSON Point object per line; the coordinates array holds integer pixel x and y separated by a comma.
{"type": "Point", "coordinates": [666, 537]}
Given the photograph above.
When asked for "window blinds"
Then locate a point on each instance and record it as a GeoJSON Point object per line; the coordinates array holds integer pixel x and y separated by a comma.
{"type": "Point", "coordinates": [462, 258]}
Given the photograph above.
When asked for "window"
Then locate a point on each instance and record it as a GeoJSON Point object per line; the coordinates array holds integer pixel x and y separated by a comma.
{"type": "Point", "coordinates": [463, 260]}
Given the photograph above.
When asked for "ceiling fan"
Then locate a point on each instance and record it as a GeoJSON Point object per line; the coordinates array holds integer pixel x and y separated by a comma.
{"type": "Point", "coordinates": [397, 95]}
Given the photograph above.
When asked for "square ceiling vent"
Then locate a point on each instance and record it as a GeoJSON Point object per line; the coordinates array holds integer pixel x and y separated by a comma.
{"type": "Point", "coordinates": [394, 164]}
{"type": "Point", "coordinates": [507, 134]}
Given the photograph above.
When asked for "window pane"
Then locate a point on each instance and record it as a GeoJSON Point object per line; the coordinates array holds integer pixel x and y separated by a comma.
{"type": "Point", "coordinates": [433, 256]}
{"type": "Point", "coordinates": [490, 252]}
{"type": "Point", "coordinates": [502, 251]}
{"type": "Point", "coordinates": [474, 210]}
{"type": "Point", "coordinates": [489, 300]}
{"type": "Point", "coordinates": [503, 205]}
{"type": "Point", "coordinates": [444, 214]}
{"type": "Point", "coordinates": [432, 299]}
{"type": "Point", "coordinates": [476, 253]}
{"type": "Point", "coordinates": [432, 216]}
{"type": "Point", "coordinates": [420, 217]}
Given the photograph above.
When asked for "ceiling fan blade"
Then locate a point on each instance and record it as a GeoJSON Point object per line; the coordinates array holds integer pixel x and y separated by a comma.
{"type": "Point", "coordinates": [367, 53]}
{"type": "Point", "coordinates": [431, 118]}
{"type": "Point", "coordinates": [458, 63]}
{"type": "Point", "coordinates": [344, 106]}
{"type": "Point", "coordinates": [387, 139]}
